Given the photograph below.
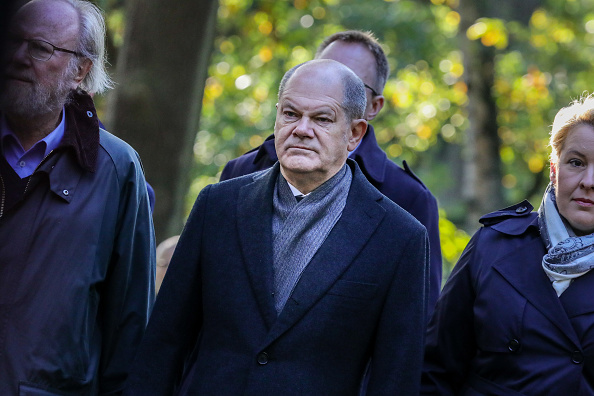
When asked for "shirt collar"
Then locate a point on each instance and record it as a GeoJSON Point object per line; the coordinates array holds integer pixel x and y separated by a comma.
{"type": "Point", "coordinates": [51, 141]}
{"type": "Point", "coordinates": [81, 132]}
{"type": "Point", "coordinates": [295, 191]}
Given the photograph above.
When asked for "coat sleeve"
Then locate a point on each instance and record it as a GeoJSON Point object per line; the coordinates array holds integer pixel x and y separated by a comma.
{"type": "Point", "coordinates": [229, 171]}
{"type": "Point", "coordinates": [398, 348]}
{"type": "Point", "coordinates": [260, 158]}
{"type": "Point", "coordinates": [176, 320]}
{"type": "Point", "coordinates": [127, 295]}
{"type": "Point", "coordinates": [451, 343]}
{"type": "Point", "coordinates": [243, 165]}
{"type": "Point", "coordinates": [424, 208]}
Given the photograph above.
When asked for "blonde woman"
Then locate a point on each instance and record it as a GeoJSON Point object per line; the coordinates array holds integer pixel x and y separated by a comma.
{"type": "Point", "coordinates": [516, 316]}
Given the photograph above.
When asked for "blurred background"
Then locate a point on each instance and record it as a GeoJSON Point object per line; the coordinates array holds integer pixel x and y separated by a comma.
{"type": "Point", "coordinates": [473, 90]}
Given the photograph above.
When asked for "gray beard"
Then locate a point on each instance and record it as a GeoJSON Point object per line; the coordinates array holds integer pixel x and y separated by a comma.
{"type": "Point", "coordinates": [34, 101]}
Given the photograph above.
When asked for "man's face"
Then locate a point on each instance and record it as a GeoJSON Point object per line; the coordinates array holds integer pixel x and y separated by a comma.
{"type": "Point", "coordinates": [311, 129]}
{"type": "Point", "coordinates": [34, 87]}
{"type": "Point", "coordinates": [359, 59]}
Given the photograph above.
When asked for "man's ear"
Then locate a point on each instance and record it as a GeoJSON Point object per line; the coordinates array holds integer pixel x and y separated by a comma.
{"type": "Point", "coordinates": [82, 70]}
{"type": "Point", "coordinates": [358, 129]}
{"type": "Point", "coordinates": [553, 173]}
{"type": "Point", "coordinates": [377, 103]}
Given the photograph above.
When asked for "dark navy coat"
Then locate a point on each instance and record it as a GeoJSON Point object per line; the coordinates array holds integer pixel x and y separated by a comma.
{"type": "Point", "coordinates": [398, 184]}
{"type": "Point", "coordinates": [499, 327]}
{"type": "Point", "coordinates": [361, 296]}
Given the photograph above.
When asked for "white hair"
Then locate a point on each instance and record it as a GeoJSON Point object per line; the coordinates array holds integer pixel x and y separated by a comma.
{"type": "Point", "coordinates": [91, 45]}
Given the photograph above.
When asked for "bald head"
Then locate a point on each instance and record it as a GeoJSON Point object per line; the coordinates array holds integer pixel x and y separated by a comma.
{"type": "Point", "coordinates": [42, 11]}
{"type": "Point", "coordinates": [318, 121]}
{"type": "Point", "coordinates": [55, 20]}
{"type": "Point", "coordinates": [330, 72]}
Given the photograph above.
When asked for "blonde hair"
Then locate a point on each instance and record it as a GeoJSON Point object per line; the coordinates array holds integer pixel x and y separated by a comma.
{"type": "Point", "coordinates": [579, 112]}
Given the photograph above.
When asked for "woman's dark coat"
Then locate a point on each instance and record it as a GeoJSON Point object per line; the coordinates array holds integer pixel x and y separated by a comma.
{"type": "Point", "coordinates": [499, 327]}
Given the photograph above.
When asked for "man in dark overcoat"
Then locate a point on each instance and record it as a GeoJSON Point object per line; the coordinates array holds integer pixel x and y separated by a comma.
{"type": "Point", "coordinates": [288, 281]}
{"type": "Point", "coordinates": [363, 54]}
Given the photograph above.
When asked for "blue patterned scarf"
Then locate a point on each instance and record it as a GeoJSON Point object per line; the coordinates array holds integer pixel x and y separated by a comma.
{"type": "Point", "coordinates": [569, 256]}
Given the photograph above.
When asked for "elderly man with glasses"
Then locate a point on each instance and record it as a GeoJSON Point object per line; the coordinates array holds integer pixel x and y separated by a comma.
{"type": "Point", "coordinates": [77, 260]}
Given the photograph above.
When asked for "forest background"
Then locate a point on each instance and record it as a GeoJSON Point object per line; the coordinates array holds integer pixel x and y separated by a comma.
{"type": "Point", "coordinates": [473, 90]}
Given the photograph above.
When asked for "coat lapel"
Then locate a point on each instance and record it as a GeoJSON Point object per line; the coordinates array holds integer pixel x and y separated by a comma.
{"type": "Point", "coordinates": [529, 279]}
{"type": "Point", "coordinates": [254, 220]}
{"type": "Point", "coordinates": [360, 218]}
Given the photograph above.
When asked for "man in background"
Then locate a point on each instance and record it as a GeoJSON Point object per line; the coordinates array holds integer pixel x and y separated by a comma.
{"type": "Point", "coordinates": [362, 53]}
{"type": "Point", "coordinates": [77, 251]}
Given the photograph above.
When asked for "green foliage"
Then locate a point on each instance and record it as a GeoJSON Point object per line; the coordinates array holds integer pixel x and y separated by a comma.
{"type": "Point", "coordinates": [545, 67]}
{"type": "Point", "coordinates": [453, 241]}
{"type": "Point", "coordinates": [257, 41]}
{"type": "Point", "coordinates": [540, 66]}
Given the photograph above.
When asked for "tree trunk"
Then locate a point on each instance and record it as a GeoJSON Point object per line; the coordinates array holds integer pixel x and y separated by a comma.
{"type": "Point", "coordinates": [482, 190]}
{"type": "Point", "coordinates": [160, 75]}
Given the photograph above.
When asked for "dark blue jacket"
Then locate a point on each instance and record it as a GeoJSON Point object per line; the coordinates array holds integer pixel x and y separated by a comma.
{"type": "Point", "coordinates": [149, 189]}
{"type": "Point", "coordinates": [400, 185]}
{"type": "Point", "coordinates": [77, 265]}
{"type": "Point", "coordinates": [499, 327]}
{"type": "Point", "coordinates": [361, 296]}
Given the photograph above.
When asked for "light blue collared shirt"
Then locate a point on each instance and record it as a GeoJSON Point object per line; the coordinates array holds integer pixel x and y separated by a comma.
{"type": "Point", "coordinates": [24, 162]}
{"type": "Point", "coordinates": [295, 191]}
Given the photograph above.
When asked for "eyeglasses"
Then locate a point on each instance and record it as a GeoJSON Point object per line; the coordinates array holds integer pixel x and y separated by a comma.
{"type": "Point", "coordinates": [371, 89]}
{"type": "Point", "coordinates": [38, 49]}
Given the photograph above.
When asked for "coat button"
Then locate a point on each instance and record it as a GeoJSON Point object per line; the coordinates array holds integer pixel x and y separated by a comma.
{"type": "Point", "coordinates": [262, 358]}
{"type": "Point", "coordinates": [577, 357]}
{"type": "Point", "coordinates": [65, 192]}
{"type": "Point", "coordinates": [513, 345]}
{"type": "Point", "coordinates": [521, 209]}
